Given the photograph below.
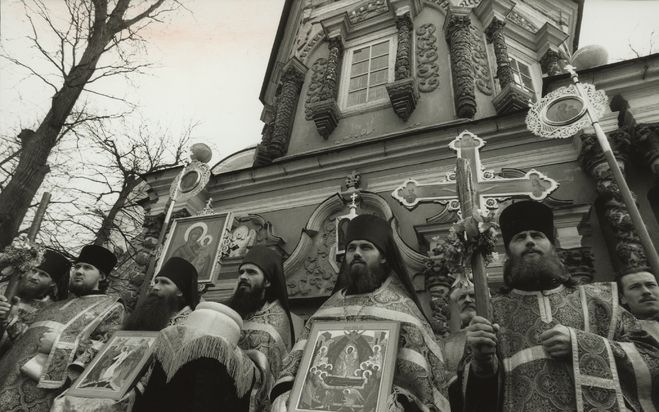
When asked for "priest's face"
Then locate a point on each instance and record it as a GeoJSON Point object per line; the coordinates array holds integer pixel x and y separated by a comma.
{"type": "Point", "coordinates": [533, 263]}
{"type": "Point", "coordinates": [641, 293]}
{"type": "Point", "coordinates": [154, 310]}
{"type": "Point", "coordinates": [164, 287]}
{"type": "Point", "coordinates": [365, 267]}
{"type": "Point", "coordinates": [249, 295]}
{"type": "Point", "coordinates": [36, 283]}
{"type": "Point", "coordinates": [84, 278]}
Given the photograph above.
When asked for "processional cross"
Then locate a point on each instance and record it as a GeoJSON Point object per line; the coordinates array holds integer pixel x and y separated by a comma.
{"type": "Point", "coordinates": [472, 188]}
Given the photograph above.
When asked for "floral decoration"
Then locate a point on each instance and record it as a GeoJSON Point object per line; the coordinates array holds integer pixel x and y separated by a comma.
{"type": "Point", "coordinates": [475, 234]}
{"type": "Point", "coordinates": [22, 254]}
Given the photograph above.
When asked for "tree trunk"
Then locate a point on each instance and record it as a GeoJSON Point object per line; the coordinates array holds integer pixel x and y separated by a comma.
{"type": "Point", "coordinates": [36, 146]}
{"type": "Point", "coordinates": [105, 231]}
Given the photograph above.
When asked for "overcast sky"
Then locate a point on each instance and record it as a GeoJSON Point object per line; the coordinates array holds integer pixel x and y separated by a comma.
{"type": "Point", "coordinates": [211, 62]}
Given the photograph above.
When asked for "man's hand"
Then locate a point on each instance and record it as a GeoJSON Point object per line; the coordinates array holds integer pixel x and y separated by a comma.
{"type": "Point", "coordinates": [556, 341]}
{"type": "Point", "coordinates": [279, 405]}
{"type": "Point", "coordinates": [46, 341]}
{"type": "Point", "coordinates": [482, 339]}
{"type": "Point", "coordinates": [5, 308]}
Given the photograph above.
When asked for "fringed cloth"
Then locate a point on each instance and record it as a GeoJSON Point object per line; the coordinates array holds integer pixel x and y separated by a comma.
{"type": "Point", "coordinates": [179, 345]}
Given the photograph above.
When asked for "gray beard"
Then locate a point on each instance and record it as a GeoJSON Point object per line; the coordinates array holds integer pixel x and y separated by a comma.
{"type": "Point", "coordinates": [545, 273]}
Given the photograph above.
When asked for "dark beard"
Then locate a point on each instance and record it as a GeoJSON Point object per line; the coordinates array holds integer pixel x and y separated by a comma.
{"type": "Point", "coordinates": [545, 273]}
{"type": "Point", "coordinates": [362, 279]}
{"type": "Point", "coordinates": [153, 313]}
{"type": "Point", "coordinates": [247, 302]}
{"type": "Point", "coordinates": [81, 290]}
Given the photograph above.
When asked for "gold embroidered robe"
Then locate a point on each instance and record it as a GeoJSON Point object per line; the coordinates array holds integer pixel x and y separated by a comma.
{"type": "Point", "coordinates": [420, 373]}
{"type": "Point", "coordinates": [613, 360]}
{"type": "Point", "coordinates": [83, 324]}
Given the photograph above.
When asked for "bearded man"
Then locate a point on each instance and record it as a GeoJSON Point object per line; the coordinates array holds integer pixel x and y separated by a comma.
{"type": "Point", "coordinates": [196, 370]}
{"type": "Point", "coordinates": [639, 292]}
{"type": "Point", "coordinates": [551, 344]}
{"type": "Point", "coordinates": [63, 338]}
{"type": "Point", "coordinates": [37, 288]}
{"type": "Point", "coordinates": [171, 297]}
{"type": "Point", "coordinates": [374, 285]}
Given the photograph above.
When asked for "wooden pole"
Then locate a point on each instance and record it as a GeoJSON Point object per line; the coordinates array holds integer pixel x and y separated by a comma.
{"type": "Point", "coordinates": [467, 197]}
{"type": "Point", "coordinates": [637, 220]}
{"type": "Point", "coordinates": [161, 237]}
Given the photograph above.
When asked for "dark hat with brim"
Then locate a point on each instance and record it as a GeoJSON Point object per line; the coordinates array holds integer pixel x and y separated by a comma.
{"type": "Point", "coordinates": [184, 275]}
{"type": "Point", "coordinates": [370, 228]}
{"type": "Point", "coordinates": [526, 215]}
{"type": "Point", "coordinates": [99, 257]}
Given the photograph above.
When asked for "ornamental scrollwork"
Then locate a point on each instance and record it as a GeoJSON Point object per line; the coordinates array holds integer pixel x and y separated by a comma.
{"type": "Point", "coordinates": [481, 65]}
{"type": "Point", "coordinates": [315, 92]}
{"type": "Point", "coordinates": [367, 10]}
{"type": "Point", "coordinates": [427, 69]}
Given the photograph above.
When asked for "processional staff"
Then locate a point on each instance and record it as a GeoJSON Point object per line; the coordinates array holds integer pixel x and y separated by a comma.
{"type": "Point", "coordinates": [549, 118]}
{"type": "Point", "coordinates": [14, 280]}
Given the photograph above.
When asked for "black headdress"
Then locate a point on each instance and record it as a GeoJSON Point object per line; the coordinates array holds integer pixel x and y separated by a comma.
{"type": "Point", "coordinates": [377, 231]}
{"type": "Point", "coordinates": [526, 215]}
{"type": "Point", "coordinates": [184, 275]}
{"type": "Point", "coordinates": [270, 262]}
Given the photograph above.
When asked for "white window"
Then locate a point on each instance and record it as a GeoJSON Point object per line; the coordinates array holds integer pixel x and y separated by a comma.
{"type": "Point", "coordinates": [367, 70]}
{"type": "Point", "coordinates": [521, 74]}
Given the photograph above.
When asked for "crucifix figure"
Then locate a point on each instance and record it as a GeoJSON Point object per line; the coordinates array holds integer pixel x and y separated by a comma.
{"type": "Point", "coordinates": [472, 188]}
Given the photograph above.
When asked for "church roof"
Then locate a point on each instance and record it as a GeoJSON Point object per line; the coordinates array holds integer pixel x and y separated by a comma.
{"type": "Point", "coordinates": [242, 159]}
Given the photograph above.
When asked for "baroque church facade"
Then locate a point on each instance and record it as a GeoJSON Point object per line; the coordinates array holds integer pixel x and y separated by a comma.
{"type": "Point", "coordinates": [365, 105]}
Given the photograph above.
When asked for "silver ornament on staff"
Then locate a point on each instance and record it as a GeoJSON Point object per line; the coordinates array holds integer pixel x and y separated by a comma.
{"type": "Point", "coordinates": [564, 112]}
{"type": "Point", "coordinates": [188, 183]}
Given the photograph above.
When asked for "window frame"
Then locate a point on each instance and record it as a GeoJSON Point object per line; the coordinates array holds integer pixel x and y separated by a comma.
{"type": "Point", "coordinates": [515, 62]}
{"type": "Point", "coordinates": [351, 47]}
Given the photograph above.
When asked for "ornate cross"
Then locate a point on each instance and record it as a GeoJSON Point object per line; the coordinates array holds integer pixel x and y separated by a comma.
{"type": "Point", "coordinates": [487, 188]}
{"type": "Point", "coordinates": [474, 189]}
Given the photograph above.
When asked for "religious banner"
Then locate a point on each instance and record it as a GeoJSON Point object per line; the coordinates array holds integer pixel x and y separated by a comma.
{"type": "Point", "coordinates": [346, 366]}
{"type": "Point", "coordinates": [199, 240]}
{"type": "Point", "coordinates": [112, 373]}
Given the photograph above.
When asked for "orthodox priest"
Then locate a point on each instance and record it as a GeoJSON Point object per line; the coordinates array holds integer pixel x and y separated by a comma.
{"type": "Point", "coordinates": [374, 285]}
{"type": "Point", "coordinates": [172, 296]}
{"type": "Point", "coordinates": [63, 338]}
{"type": "Point", "coordinates": [552, 345]}
{"type": "Point", "coordinates": [39, 287]}
{"type": "Point", "coordinates": [196, 370]}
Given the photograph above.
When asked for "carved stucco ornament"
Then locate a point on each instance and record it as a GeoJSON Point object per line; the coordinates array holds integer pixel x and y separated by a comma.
{"type": "Point", "coordinates": [427, 69]}
{"type": "Point", "coordinates": [481, 65]}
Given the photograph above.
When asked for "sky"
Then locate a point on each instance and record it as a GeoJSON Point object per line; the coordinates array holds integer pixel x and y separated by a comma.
{"type": "Point", "coordinates": [210, 61]}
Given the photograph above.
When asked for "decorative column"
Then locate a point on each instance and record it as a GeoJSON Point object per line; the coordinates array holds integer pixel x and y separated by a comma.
{"type": "Point", "coordinates": [458, 36]}
{"type": "Point", "coordinates": [262, 156]}
{"type": "Point", "coordinates": [580, 263]}
{"type": "Point", "coordinates": [321, 100]}
{"type": "Point", "coordinates": [291, 85]}
{"type": "Point", "coordinates": [627, 247]}
{"type": "Point", "coordinates": [645, 138]}
{"type": "Point", "coordinates": [494, 33]}
{"type": "Point", "coordinates": [402, 92]}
